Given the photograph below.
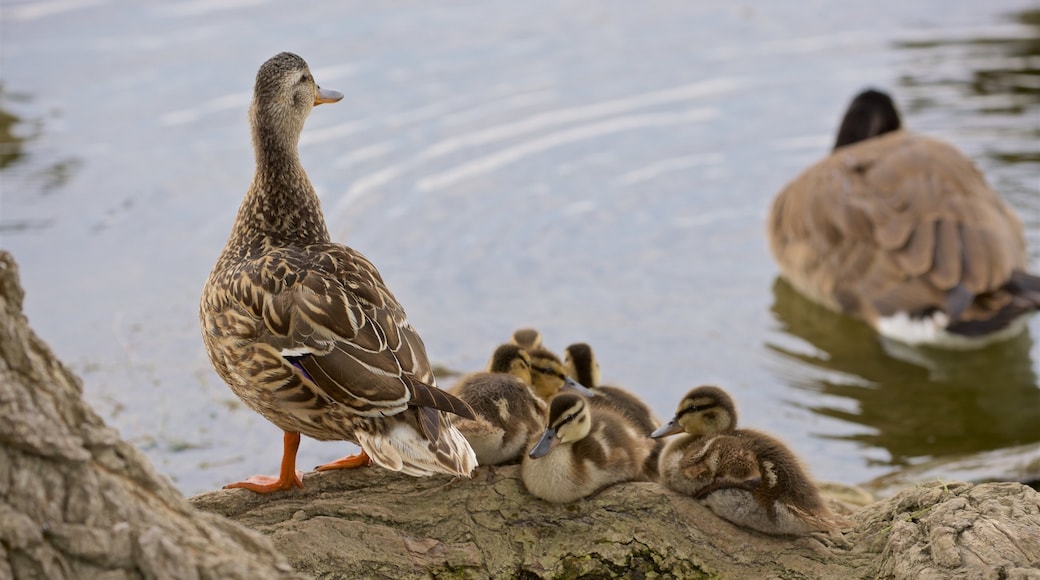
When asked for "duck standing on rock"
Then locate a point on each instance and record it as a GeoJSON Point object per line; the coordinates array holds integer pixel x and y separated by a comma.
{"type": "Point", "coordinates": [743, 476]}
{"type": "Point", "coordinates": [902, 231]}
{"type": "Point", "coordinates": [304, 330]}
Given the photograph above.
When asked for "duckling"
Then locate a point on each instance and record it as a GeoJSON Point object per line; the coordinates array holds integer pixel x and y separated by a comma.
{"type": "Point", "coordinates": [548, 376]}
{"type": "Point", "coordinates": [528, 338]}
{"type": "Point", "coordinates": [743, 476]}
{"type": "Point", "coordinates": [304, 330]}
{"type": "Point", "coordinates": [508, 413]}
{"type": "Point", "coordinates": [582, 451]}
{"type": "Point", "coordinates": [903, 232]}
{"type": "Point", "coordinates": [579, 362]}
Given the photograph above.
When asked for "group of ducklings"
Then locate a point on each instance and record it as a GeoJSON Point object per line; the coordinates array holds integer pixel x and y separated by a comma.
{"type": "Point", "coordinates": [574, 437]}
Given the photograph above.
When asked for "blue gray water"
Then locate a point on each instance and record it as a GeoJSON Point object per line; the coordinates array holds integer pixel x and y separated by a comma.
{"type": "Point", "coordinates": [599, 170]}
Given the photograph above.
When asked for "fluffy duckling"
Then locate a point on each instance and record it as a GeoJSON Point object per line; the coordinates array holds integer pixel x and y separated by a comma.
{"type": "Point", "coordinates": [579, 362]}
{"type": "Point", "coordinates": [903, 232]}
{"type": "Point", "coordinates": [304, 330]}
{"type": "Point", "coordinates": [508, 413]}
{"type": "Point", "coordinates": [548, 376]}
{"type": "Point", "coordinates": [529, 338]}
{"type": "Point", "coordinates": [743, 476]}
{"type": "Point", "coordinates": [582, 451]}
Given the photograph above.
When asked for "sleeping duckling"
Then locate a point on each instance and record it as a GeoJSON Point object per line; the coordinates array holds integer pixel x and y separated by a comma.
{"type": "Point", "coordinates": [579, 362]}
{"type": "Point", "coordinates": [582, 451]}
{"type": "Point", "coordinates": [529, 338]}
{"type": "Point", "coordinates": [744, 476]}
{"type": "Point", "coordinates": [508, 413]}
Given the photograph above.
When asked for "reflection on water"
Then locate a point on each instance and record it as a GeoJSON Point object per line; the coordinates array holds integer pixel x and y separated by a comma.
{"type": "Point", "coordinates": [915, 402]}
{"type": "Point", "coordinates": [10, 141]}
{"type": "Point", "coordinates": [996, 77]}
{"type": "Point", "coordinates": [44, 176]}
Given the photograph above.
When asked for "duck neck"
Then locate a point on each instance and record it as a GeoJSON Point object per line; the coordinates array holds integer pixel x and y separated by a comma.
{"type": "Point", "coordinates": [281, 206]}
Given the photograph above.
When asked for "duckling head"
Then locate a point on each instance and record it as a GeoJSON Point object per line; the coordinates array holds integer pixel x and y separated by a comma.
{"type": "Point", "coordinates": [513, 360]}
{"type": "Point", "coordinates": [704, 410]}
{"type": "Point", "coordinates": [569, 420]}
{"type": "Point", "coordinates": [528, 338]}
{"type": "Point", "coordinates": [580, 362]}
{"type": "Point", "coordinates": [283, 96]}
{"type": "Point", "coordinates": [548, 377]}
{"type": "Point", "coordinates": [870, 114]}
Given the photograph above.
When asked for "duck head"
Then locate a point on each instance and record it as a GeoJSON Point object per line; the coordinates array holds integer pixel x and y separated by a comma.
{"type": "Point", "coordinates": [528, 338]}
{"type": "Point", "coordinates": [513, 360]}
{"type": "Point", "coordinates": [283, 96]}
{"type": "Point", "coordinates": [580, 362]}
{"type": "Point", "coordinates": [548, 377]}
{"type": "Point", "coordinates": [704, 410]}
{"type": "Point", "coordinates": [870, 114]}
{"type": "Point", "coordinates": [569, 421]}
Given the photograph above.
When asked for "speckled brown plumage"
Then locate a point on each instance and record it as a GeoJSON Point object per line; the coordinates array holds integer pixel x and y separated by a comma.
{"type": "Point", "coordinates": [305, 331]}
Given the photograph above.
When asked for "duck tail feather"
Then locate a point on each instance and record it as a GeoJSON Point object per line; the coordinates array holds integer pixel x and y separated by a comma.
{"type": "Point", "coordinates": [424, 395]}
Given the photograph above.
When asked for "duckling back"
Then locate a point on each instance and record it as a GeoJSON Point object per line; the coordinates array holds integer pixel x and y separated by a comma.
{"type": "Point", "coordinates": [508, 415]}
{"type": "Point", "coordinates": [580, 363]}
{"type": "Point", "coordinates": [783, 501]}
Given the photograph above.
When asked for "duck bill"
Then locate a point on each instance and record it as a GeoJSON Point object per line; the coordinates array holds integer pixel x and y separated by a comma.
{"type": "Point", "coordinates": [545, 444]}
{"type": "Point", "coordinates": [670, 428]}
{"type": "Point", "coordinates": [573, 385]}
{"type": "Point", "coordinates": [327, 96]}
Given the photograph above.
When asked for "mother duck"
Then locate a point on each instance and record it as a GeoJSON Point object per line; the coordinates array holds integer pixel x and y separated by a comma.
{"type": "Point", "coordinates": [304, 330]}
{"type": "Point", "coordinates": [903, 232]}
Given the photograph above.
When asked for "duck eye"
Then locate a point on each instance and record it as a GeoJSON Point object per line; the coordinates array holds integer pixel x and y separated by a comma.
{"type": "Point", "coordinates": [304, 78]}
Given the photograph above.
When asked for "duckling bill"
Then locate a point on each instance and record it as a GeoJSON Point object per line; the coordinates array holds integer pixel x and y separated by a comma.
{"type": "Point", "coordinates": [304, 330]}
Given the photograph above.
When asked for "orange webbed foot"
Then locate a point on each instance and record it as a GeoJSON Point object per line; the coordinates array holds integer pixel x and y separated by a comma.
{"type": "Point", "coordinates": [349, 462]}
{"type": "Point", "coordinates": [268, 484]}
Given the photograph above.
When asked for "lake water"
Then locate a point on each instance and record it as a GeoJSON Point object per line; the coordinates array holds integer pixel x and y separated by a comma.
{"type": "Point", "coordinates": [598, 170]}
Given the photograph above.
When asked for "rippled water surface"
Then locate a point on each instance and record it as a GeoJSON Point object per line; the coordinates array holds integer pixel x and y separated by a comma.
{"type": "Point", "coordinates": [599, 170]}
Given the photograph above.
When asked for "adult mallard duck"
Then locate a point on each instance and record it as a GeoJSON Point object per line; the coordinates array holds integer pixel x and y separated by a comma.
{"type": "Point", "coordinates": [508, 413]}
{"type": "Point", "coordinates": [582, 451]}
{"type": "Point", "coordinates": [903, 232]}
{"type": "Point", "coordinates": [743, 476]}
{"type": "Point", "coordinates": [304, 330]}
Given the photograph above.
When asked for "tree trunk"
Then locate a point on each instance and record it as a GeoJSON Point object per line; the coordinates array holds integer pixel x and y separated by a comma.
{"type": "Point", "coordinates": [78, 502]}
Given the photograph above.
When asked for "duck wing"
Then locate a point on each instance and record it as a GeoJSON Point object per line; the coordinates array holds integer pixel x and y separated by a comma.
{"type": "Point", "coordinates": [326, 311]}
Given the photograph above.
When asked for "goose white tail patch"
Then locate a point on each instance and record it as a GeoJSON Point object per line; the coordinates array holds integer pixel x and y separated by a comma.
{"type": "Point", "coordinates": [931, 330]}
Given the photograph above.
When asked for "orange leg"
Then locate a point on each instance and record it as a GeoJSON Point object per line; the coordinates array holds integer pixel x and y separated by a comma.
{"type": "Point", "coordinates": [349, 462]}
{"type": "Point", "coordinates": [288, 476]}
